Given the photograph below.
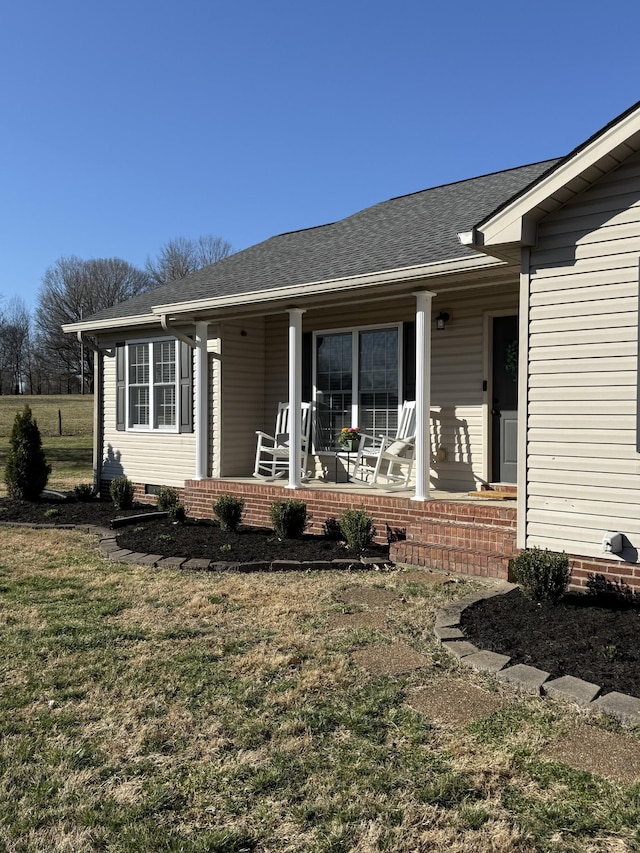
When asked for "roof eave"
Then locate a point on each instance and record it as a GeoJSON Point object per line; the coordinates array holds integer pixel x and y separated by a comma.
{"type": "Point", "coordinates": [112, 323]}
{"type": "Point", "coordinates": [327, 286]}
{"type": "Point", "coordinates": [514, 224]}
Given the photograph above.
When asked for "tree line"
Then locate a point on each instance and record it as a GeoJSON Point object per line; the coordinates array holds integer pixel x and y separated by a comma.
{"type": "Point", "coordinates": [37, 358]}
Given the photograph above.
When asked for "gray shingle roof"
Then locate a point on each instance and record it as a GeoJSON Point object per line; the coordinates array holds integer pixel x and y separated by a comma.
{"type": "Point", "coordinates": [405, 231]}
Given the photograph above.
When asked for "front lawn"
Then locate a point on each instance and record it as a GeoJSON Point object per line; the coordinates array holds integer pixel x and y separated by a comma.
{"type": "Point", "coordinates": [146, 710]}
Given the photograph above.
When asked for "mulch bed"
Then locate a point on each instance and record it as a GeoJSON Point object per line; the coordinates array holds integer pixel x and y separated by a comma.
{"type": "Point", "coordinates": [53, 511]}
{"type": "Point", "coordinates": [194, 539]}
{"type": "Point", "coordinates": [205, 540]}
{"type": "Point", "coordinates": [588, 636]}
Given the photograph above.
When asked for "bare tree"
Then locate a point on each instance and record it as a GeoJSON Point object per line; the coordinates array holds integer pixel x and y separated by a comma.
{"type": "Point", "coordinates": [73, 289]}
{"type": "Point", "coordinates": [15, 326]}
{"type": "Point", "coordinates": [182, 256]}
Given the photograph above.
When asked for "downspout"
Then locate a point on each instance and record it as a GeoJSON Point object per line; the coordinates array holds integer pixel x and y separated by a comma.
{"type": "Point", "coordinates": [164, 322]}
{"type": "Point", "coordinates": [200, 390]}
{"type": "Point", "coordinates": [97, 410]}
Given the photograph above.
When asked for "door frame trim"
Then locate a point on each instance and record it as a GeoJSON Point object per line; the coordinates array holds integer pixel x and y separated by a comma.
{"type": "Point", "coordinates": [487, 395]}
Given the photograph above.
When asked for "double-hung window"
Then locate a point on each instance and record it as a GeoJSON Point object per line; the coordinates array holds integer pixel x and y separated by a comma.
{"type": "Point", "coordinates": [152, 379]}
{"type": "Point", "coordinates": [357, 382]}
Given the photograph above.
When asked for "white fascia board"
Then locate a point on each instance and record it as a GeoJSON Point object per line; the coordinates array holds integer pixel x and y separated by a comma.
{"type": "Point", "coordinates": [113, 324]}
{"type": "Point", "coordinates": [509, 225]}
{"type": "Point", "coordinates": [317, 288]}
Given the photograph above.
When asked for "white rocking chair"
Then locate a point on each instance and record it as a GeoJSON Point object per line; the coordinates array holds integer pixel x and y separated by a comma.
{"type": "Point", "coordinates": [387, 463]}
{"type": "Point", "coordinates": [272, 452]}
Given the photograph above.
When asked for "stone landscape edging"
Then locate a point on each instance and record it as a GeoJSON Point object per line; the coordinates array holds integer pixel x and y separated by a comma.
{"type": "Point", "coordinates": [109, 548]}
{"type": "Point", "coordinates": [528, 679]}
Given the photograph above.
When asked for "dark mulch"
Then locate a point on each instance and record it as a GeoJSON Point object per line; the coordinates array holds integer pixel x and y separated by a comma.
{"type": "Point", "coordinates": [588, 636]}
{"type": "Point", "coordinates": [205, 540]}
{"type": "Point", "coordinates": [194, 539]}
{"type": "Point", "coordinates": [61, 512]}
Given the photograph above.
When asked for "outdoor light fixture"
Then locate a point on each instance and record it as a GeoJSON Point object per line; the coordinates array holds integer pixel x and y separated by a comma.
{"type": "Point", "coordinates": [441, 320]}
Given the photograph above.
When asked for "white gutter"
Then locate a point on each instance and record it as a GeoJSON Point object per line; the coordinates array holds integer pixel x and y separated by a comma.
{"type": "Point", "coordinates": [113, 323]}
{"type": "Point", "coordinates": [97, 410]}
{"type": "Point", "coordinates": [316, 288]}
{"type": "Point", "coordinates": [164, 322]}
{"type": "Point", "coordinates": [298, 291]}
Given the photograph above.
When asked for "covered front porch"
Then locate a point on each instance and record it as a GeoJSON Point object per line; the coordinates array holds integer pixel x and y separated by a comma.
{"type": "Point", "coordinates": [450, 532]}
{"type": "Point", "coordinates": [356, 363]}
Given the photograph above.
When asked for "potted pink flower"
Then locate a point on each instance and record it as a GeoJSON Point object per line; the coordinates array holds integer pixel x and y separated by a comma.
{"type": "Point", "coordinates": [349, 438]}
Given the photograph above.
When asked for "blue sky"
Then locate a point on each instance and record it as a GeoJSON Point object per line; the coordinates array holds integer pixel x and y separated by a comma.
{"type": "Point", "coordinates": [126, 124]}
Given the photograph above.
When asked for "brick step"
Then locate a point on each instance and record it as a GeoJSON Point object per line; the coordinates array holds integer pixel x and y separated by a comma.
{"type": "Point", "coordinates": [468, 561]}
{"type": "Point", "coordinates": [484, 538]}
{"type": "Point", "coordinates": [493, 495]}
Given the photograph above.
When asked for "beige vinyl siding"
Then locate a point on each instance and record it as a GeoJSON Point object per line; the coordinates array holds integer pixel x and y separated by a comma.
{"type": "Point", "coordinates": [156, 458]}
{"type": "Point", "coordinates": [458, 371]}
{"type": "Point", "coordinates": [242, 395]}
{"type": "Point", "coordinates": [582, 468]}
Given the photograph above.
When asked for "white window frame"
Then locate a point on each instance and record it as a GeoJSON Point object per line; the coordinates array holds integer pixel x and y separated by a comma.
{"type": "Point", "coordinates": [355, 353]}
{"type": "Point", "coordinates": [152, 385]}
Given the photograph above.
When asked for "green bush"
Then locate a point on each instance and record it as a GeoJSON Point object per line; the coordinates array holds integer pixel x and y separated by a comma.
{"type": "Point", "coordinates": [542, 575]}
{"type": "Point", "coordinates": [228, 510]}
{"type": "Point", "coordinates": [26, 472]}
{"type": "Point", "coordinates": [121, 491]}
{"type": "Point", "coordinates": [357, 528]}
{"type": "Point", "coordinates": [288, 518]}
{"type": "Point", "coordinates": [167, 498]}
{"type": "Point", "coordinates": [177, 513]}
{"type": "Point", "coordinates": [83, 492]}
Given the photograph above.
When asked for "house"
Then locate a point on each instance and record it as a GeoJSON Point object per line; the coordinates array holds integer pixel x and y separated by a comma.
{"type": "Point", "coordinates": [532, 382]}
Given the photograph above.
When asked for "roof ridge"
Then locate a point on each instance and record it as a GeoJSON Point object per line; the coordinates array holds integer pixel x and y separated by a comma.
{"type": "Point", "coordinates": [409, 195]}
{"type": "Point", "coordinates": [473, 178]}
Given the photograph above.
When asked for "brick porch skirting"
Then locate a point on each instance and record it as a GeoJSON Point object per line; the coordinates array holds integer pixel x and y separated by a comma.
{"type": "Point", "coordinates": [469, 537]}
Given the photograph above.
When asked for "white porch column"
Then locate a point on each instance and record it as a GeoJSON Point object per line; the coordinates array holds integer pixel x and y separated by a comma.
{"type": "Point", "coordinates": [295, 395]}
{"type": "Point", "coordinates": [201, 388]}
{"type": "Point", "coordinates": [423, 394]}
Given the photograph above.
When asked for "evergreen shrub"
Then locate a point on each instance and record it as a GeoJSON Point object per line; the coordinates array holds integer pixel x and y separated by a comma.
{"type": "Point", "coordinates": [167, 498]}
{"type": "Point", "coordinates": [288, 518]}
{"type": "Point", "coordinates": [542, 575]}
{"type": "Point", "coordinates": [26, 471]}
{"type": "Point", "coordinates": [121, 491]}
{"type": "Point", "coordinates": [228, 510]}
{"type": "Point", "coordinates": [357, 529]}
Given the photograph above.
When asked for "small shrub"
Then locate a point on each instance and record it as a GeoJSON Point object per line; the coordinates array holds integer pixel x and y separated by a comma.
{"type": "Point", "coordinates": [26, 472]}
{"type": "Point", "coordinates": [332, 529]}
{"type": "Point", "coordinates": [167, 498]}
{"type": "Point", "coordinates": [121, 491]}
{"type": "Point", "coordinates": [51, 513]}
{"type": "Point", "coordinates": [83, 492]}
{"type": "Point", "coordinates": [228, 510]}
{"type": "Point", "coordinates": [288, 518]}
{"type": "Point", "coordinates": [357, 528]}
{"type": "Point", "coordinates": [542, 575]}
{"type": "Point", "coordinates": [615, 593]}
{"type": "Point", "coordinates": [177, 513]}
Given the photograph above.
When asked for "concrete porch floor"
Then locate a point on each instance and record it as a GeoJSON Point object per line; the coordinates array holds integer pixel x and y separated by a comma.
{"type": "Point", "coordinates": [358, 489]}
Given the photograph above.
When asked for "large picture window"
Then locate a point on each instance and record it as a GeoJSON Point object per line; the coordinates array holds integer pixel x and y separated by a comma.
{"type": "Point", "coordinates": [356, 382]}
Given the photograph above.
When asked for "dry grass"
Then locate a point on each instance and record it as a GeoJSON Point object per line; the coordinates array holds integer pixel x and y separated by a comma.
{"type": "Point", "coordinates": [70, 453]}
{"type": "Point", "coordinates": [150, 710]}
